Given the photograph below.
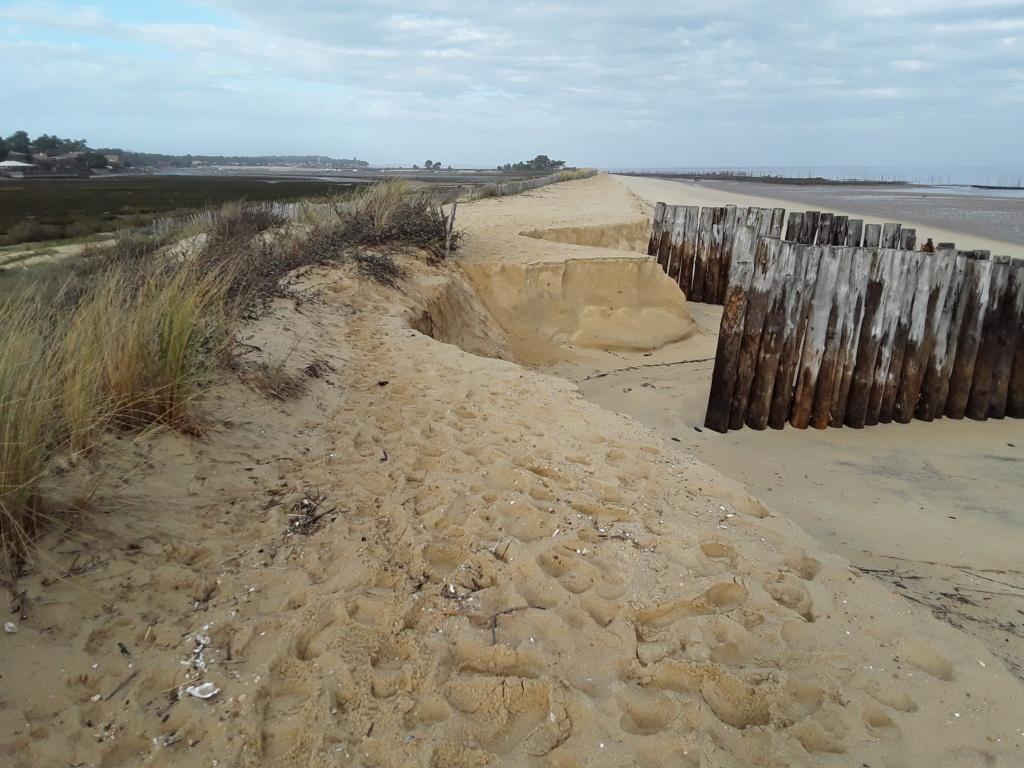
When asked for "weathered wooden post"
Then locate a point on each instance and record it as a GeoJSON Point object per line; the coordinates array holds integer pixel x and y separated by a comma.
{"type": "Point", "coordinates": [908, 286]}
{"type": "Point", "coordinates": [891, 235]}
{"type": "Point", "coordinates": [798, 308]}
{"type": "Point", "coordinates": [677, 236]}
{"type": "Point", "coordinates": [908, 239]}
{"type": "Point", "coordinates": [1011, 332]}
{"type": "Point", "coordinates": [860, 269]}
{"type": "Point", "coordinates": [665, 241]}
{"type": "Point", "coordinates": [765, 263]}
{"type": "Point", "coordinates": [656, 225]}
{"type": "Point", "coordinates": [927, 316]}
{"type": "Point", "coordinates": [777, 221]}
{"type": "Point", "coordinates": [705, 233]}
{"type": "Point", "coordinates": [980, 397]}
{"type": "Point", "coordinates": [825, 388]}
{"type": "Point", "coordinates": [872, 235]}
{"type": "Point", "coordinates": [976, 286]}
{"type": "Point", "coordinates": [809, 227]}
{"type": "Point", "coordinates": [691, 215]}
{"type": "Point", "coordinates": [793, 226]}
{"type": "Point", "coordinates": [730, 334]}
{"type": "Point", "coordinates": [854, 232]}
{"type": "Point", "coordinates": [814, 338]}
{"type": "Point", "coordinates": [875, 298]}
{"type": "Point", "coordinates": [782, 284]}
{"type": "Point", "coordinates": [824, 234]}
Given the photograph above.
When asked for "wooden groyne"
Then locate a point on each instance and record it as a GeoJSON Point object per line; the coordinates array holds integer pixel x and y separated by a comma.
{"type": "Point", "coordinates": [855, 335]}
{"type": "Point", "coordinates": [830, 322]}
{"type": "Point", "coordinates": [695, 246]}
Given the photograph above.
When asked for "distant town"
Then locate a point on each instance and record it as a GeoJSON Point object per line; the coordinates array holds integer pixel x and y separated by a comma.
{"type": "Point", "coordinates": [54, 157]}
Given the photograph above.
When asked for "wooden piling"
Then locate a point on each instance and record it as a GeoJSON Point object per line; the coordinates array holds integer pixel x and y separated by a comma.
{"type": "Point", "coordinates": [765, 264]}
{"type": "Point", "coordinates": [860, 270]}
{"type": "Point", "coordinates": [908, 239]}
{"type": "Point", "coordinates": [824, 234]}
{"type": "Point", "coordinates": [890, 323]}
{"type": "Point", "coordinates": [691, 214]}
{"type": "Point", "coordinates": [782, 283]}
{"type": "Point", "coordinates": [890, 235]}
{"type": "Point", "coordinates": [814, 338]}
{"type": "Point", "coordinates": [840, 225]}
{"type": "Point", "coordinates": [809, 227]}
{"type": "Point", "coordinates": [733, 224]}
{"type": "Point", "coordinates": [798, 306]}
{"type": "Point", "coordinates": [777, 221]}
{"type": "Point", "coordinates": [713, 266]}
{"type": "Point", "coordinates": [855, 232]}
{"type": "Point", "coordinates": [705, 233]}
{"type": "Point", "coordinates": [673, 266]}
{"type": "Point", "coordinates": [934, 281]}
{"type": "Point", "coordinates": [909, 281]}
{"type": "Point", "coordinates": [793, 227]}
{"type": "Point", "coordinates": [730, 334]}
{"type": "Point", "coordinates": [1010, 332]}
{"type": "Point", "coordinates": [665, 241]}
{"type": "Point", "coordinates": [872, 319]}
{"type": "Point", "coordinates": [935, 388]}
{"type": "Point", "coordinates": [826, 387]}
{"type": "Point", "coordinates": [976, 285]}
{"type": "Point", "coordinates": [656, 224]}
{"type": "Point", "coordinates": [872, 235]}
{"type": "Point", "coordinates": [980, 397]}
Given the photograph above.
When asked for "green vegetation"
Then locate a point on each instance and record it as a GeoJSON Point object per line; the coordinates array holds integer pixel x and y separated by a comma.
{"type": "Point", "coordinates": [539, 163]}
{"type": "Point", "coordinates": [38, 210]}
{"type": "Point", "coordinates": [137, 331]}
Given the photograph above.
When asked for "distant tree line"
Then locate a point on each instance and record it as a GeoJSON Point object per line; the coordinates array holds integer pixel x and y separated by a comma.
{"type": "Point", "coordinates": [51, 146]}
{"type": "Point", "coordinates": [54, 146]}
{"type": "Point", "coordinates": [539, 163]}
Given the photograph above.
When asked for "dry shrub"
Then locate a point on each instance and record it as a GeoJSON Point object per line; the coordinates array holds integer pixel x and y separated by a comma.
{"type": "Point", "coordinates": [237, 223]}
{"type": "Point", "coordinates": [393, 214]}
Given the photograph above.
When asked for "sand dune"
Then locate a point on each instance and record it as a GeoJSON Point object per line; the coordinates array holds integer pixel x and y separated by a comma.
{"type": "Point", "coordinates": [441, 558]}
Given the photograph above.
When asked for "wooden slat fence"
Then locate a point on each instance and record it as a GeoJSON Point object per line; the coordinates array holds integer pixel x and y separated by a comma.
{"type": "Point", "coordinates": [828, 331]}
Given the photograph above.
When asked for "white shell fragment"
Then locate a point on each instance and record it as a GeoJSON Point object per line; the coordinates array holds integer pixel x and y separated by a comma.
{"type": "Point", "coordinates": [203, 690]}
{"type": "Point", "coordinates": [10, 627]}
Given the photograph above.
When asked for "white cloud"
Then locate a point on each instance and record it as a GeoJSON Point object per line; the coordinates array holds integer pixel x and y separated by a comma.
{"type": "Point", "coordinates": [606, 82]}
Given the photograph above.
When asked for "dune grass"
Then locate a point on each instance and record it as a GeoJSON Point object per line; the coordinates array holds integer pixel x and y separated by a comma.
{"type": "Point", "coordinates": [136, 331]}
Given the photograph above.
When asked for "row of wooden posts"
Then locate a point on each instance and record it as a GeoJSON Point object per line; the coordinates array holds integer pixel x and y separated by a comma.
{"type": "Point", "coordinates": [695, 245]}
{"type": "Point", "coordinates": [833, 335]}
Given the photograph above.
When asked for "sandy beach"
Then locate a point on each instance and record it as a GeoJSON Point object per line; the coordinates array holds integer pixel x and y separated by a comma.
{"type": "Point", "coordinates": [475, 541]}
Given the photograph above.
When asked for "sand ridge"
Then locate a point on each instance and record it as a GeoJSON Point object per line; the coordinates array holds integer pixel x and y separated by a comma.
{"type": "Point", "coordinates": [443, 559]}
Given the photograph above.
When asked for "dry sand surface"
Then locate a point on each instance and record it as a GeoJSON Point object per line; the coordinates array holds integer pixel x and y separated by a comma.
{"type": "Point", "coordinates": [440, 558]}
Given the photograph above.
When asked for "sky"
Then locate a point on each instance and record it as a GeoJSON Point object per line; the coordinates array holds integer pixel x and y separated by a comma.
{"type": "Point", "coordinates": [608, 84]}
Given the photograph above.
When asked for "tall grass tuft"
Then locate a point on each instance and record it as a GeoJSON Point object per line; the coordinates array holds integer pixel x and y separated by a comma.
{"type": "Point", "coordinates": [27, 425]}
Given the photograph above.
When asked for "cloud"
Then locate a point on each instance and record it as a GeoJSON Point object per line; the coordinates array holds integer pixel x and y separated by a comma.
{"type": "Point", "coordinates": [609, 83]}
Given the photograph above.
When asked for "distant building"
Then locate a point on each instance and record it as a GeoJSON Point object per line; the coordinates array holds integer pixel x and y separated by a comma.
{"type": "Point", "coordinates": [15, 169]}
